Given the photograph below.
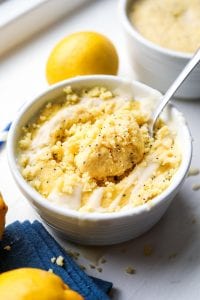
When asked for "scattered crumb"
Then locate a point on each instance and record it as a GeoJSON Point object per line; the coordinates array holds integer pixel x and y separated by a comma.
{"type": "Point", "coordinates": [53, 260]}
{"type": "Point", "coordinates": [173, 255]}
{"type": "Point", "coordinates": [42, 118]}
{"type": "Point", "coordinates": [70, 253]}
{"type": "Point", "coordinates": [148, 250]}
{"type": "Point", "coordinates": [60, 261]}
{"type": "Point", "coordinates": [193, 172]}
{"type": "Point", "coordinates": [49, 105]}
{"type": "Point", "coordinates": [68, 89]}
{"type": "Point", "coordinates": [7, 248]}
{"type": "Point", "coordinates": [74, 254]}
{"type": "Point", "coordinates": [99, 269]}
{"type": "Point", "coordinates": [106, 95]}
{"type": "Point", "coordinates": [82, 267]}
{"type": "Point", "coordinates": [50, 270]}
{"type": "Point", "coordinates": [92, 266]}
{"type": "Point", "coordinates": [196, 187]}
{"type": "Point", "coordinates": [130, 270]}
{"type": "Point", "coordinates": [103, 260]}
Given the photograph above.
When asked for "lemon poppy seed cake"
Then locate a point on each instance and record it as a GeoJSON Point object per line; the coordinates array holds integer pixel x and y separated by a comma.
{"type": "Point", "coordinates": [91, 151]}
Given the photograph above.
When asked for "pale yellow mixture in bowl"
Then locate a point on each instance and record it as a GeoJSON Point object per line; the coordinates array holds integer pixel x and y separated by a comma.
{"type": "Point", "coordinates": [173, 24]}
{"type": "Point", "coordinates": [91, 152]}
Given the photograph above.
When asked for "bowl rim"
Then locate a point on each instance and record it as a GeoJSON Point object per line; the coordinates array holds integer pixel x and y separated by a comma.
{"type": "Point", "coordinates": [123, 16]}
{"type": "Point", "coordinates": [94, 216]}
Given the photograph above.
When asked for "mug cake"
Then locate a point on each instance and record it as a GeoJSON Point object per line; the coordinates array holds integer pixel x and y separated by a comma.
{"type": "Point", "coordinates": [172, 24]}
{"type": "Point", "coordinates": [91, 151]}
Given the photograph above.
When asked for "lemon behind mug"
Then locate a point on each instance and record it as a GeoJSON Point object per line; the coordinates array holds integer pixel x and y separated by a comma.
{"type": "Point", "coordinates": [81, 53]}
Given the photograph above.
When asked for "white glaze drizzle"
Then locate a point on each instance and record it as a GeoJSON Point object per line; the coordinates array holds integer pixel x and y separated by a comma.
{"type": "Point", "coordinates": [72, 201]}
{"type": "Point", "coordinates": [140, 175]}
{"type": "Point", "coordinates": [94, 201]}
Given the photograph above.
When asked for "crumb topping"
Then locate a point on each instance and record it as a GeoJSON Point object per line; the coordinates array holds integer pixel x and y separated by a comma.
{"type": "Point", "coordinates": [91, 151]}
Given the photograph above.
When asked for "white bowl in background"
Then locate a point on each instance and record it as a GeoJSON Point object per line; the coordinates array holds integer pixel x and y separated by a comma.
{"type": "Point", "coordinates": [100, 228]}
{"type": "Point", "coordinates": [155, 65]}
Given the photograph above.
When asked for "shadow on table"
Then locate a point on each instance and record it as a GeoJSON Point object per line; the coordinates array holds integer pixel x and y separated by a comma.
{"type": "Point", "coordinates": [174, 237]}
{"type": "Point", "coordinates": [171, 237]}
{"type": "Point", "coordinates": [171, 243]}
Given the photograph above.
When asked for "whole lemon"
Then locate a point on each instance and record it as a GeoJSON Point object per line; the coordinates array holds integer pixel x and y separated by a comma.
{"type": "Point", "coordinates": [34, 284]}
{"type": "Point", "coordinates": [3, 211]}
{"type": "Point", "coordinates": [81, 53]}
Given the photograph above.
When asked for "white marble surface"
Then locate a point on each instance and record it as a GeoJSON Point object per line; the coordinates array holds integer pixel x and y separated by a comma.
{"type": "Point", "coordinates": [173, 269]}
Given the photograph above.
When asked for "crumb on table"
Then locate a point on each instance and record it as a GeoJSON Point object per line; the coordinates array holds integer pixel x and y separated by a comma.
{"type": "Point", "coordinates": [82, 267]}
{"type": "Point", "coordinates": [103, 260]}
{"type": "Point", "coordinates": [74, 254]}
{"type": "Point", "coordinates": [196, 186]}
{"type": "Point", "coordinates": [130, 270]}
{"type": "Point", "coordinates": [148, 250]}
{"type": "Point", "coordinates": [92, 266]}
{"type": "Point", "coordinates": [193, 172]}
{"type": "Point", "coordinates": [99, 269]}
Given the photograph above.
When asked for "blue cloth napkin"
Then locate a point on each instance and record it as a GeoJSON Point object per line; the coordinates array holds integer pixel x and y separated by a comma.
{"type": "Point", "coordinates": [32, 246]}
{"type": "Point", "coordinates": [3, 134]}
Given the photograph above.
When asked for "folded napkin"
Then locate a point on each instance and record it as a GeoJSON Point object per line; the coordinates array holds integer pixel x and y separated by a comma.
{"type": "Point", "coordinates": [32, 246]}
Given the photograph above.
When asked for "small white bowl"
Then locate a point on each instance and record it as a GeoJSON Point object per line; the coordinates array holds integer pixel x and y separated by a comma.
{"type": "Point", "coordinates": [154, 65]}
{"type": "Point", "coordinates": [99, 228]}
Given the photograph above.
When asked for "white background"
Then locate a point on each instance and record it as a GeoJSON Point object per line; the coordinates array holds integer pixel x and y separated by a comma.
{"type": "Point", "coordinates": [173, 269]}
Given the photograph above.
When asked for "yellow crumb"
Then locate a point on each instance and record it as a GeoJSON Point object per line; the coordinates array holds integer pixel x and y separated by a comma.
{"type": "Point", "coordinates": [53, 260]}
{"type": "Point", "coordinates": [193, 172]}
{"type": "Point", "coordinates": [7, 248]}
{"type": "Point", "coordinates": [130, 270]}
{"type": "Point", "coordinates": [196, 186]}
{"type": "Point", "coordinates": [60, 261]}
{"type": "Point", "coordinates": [148, 250]}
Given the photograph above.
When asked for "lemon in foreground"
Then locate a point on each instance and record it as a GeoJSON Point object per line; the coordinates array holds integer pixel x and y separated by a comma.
{"type": "Point", "coordinates": [34, 284]}
{"type": "Point", "coordinates": [3, 211]}
{"type": "Point", "coordinates": [81, 53]}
